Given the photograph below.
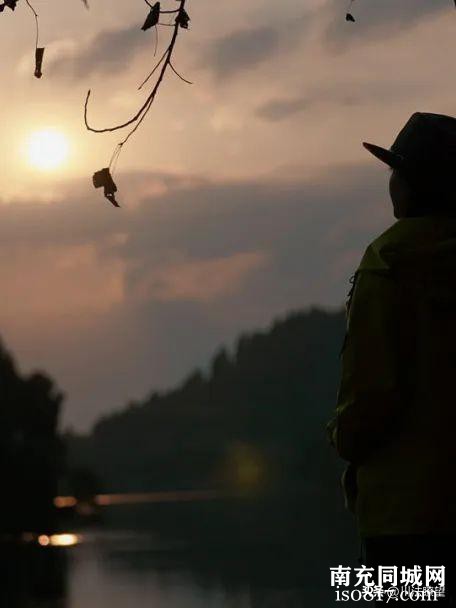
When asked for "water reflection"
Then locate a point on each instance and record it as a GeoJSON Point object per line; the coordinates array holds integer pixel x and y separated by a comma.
{"type": "Point", "coordinates": [32, 575]}
{"type": "Point", "coordinates": [59, 540]}
{"type": "Point", "coordinates": [121, 569]}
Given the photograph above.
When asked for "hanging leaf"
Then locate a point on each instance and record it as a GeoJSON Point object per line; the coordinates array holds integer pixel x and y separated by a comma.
{"type": "Point", "coordinates": [183, 19]}
{"type": "Point", "coordinates": [86, 3]}
{"type": "Point", "coordinates": [9, 3]}
{"type": "Point", "coordinates": [152, 17]}
{"type": "Point", "coordinates": [103, 179]}
{"type": "Point", "coordinates": [39, 54]}
{"type": "Point", "coordinates": [349, 17]}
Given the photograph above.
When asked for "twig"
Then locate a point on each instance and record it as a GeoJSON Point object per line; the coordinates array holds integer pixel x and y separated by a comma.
{"type": "Point", "coordinates": [37, 25]}
{"type": "Point", "coordinates": [348, 15]}
{"type": "Point", "coordinates": [103, 178]}
{"type": "Point", "coordinates": [144, 109]}
{"type": "Point", "coordinates": [156, 41]}
{"type": "Point", "coordinates": [177, 74]}
{"type": "Point", "coordinates": [153, 71]}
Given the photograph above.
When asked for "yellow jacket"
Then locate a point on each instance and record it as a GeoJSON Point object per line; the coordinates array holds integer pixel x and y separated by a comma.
{"type": "Point", "coordinates": [396, 405]}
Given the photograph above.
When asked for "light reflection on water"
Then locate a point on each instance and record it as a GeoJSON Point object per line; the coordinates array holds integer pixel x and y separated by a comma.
{"type": "Point", "coordinates": [59, 540]}
{"type": "Point", "coordinates": [115, 569]}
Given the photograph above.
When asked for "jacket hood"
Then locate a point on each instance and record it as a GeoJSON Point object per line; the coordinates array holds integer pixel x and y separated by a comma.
{"type": "Point", "coordinates": [413, 242]}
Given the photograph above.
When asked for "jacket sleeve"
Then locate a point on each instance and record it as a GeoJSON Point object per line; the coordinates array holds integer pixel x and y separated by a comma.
{"type": "Point", "coordinates": [369, 403]}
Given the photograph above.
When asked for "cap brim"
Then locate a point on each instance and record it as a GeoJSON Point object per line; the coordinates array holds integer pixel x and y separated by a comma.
{"type": "Point", "coordinates": [388, 157]}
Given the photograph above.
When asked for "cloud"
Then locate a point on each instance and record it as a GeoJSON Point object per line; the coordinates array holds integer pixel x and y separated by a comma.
{"type": "Point", "coordinates": [116, 304]}
{"type": "Point", "coordinates": [375, 20]}
{"type": "Point", "coordinates": [281, 108]}
{"type": "Point", "coordinates": [339, 94]}
{"type": "Point", "coordinates": [110, 52]}
{"type": "Point", "coordinates": [247, 48]}
{"type": "Point", "coordinates": [200, 280]}
{"type": "Point", "coordinates": [241, 50]}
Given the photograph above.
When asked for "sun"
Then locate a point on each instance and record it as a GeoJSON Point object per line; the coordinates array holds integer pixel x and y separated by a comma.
{"type": "Point", "coordinates": [47, 149]}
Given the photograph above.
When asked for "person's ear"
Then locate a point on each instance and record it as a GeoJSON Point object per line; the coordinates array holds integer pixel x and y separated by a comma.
{"type": "Point", "coordinates": [400, 194]}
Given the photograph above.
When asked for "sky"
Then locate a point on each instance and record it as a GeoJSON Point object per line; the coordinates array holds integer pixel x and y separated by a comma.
{"type": "Point", "coordinates": [245, 195]}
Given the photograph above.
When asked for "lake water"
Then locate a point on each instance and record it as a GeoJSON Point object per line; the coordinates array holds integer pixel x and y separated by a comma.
{"type": "Point", "coordinates": [248, 553]}
{"type": "Point", "coordinates": [119, 570]}
{"type": "Point", "coordinates": [126, 569]}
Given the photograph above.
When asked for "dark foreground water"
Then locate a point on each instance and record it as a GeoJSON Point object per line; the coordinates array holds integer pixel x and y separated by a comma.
{"type": "Point", "coordinates": [203, 554]}
{"type": "Point", "coordinates": [126, 569]}
{"type": "Point", "coordinates": [123, 570]}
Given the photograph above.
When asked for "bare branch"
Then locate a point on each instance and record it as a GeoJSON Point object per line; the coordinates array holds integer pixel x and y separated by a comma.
{"type": "Point", "coordinates": [144, 109]}
{"type": "Point", "coordinates": [39, 52]}
{"type": "Point", "coordinates": [153, 71]}
{"type": "Point", "coordinates": [177, 74]}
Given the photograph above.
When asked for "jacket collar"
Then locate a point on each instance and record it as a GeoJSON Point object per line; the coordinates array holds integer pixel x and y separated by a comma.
{"type": "Point", "coordinates": [410, 240]}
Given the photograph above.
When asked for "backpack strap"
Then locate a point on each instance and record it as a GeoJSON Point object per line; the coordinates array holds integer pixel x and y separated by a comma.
{"type": "Point", "coordinates": [348, 301]}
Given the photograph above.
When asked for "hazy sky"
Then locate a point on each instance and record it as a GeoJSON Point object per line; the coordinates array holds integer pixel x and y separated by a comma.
{"type": "Point", "coordinates": [245, 195]}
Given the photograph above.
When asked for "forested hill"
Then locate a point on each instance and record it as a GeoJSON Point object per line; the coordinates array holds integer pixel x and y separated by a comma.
{"type": "Point", "coordinates": [31, 454]}
{"type": "Point", "coordinates": [259, 412]}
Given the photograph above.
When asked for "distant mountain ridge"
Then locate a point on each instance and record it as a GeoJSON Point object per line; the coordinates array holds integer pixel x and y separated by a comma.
{"type": "Point", "coordinates": [260, 409]}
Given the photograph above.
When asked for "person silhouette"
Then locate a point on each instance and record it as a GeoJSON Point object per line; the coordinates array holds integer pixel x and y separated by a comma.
{"type": "Point", "coordinates": [396, 404]}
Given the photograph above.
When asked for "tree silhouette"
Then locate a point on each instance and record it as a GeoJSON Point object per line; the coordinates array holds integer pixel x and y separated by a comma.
{"type": "Point", "coordinates": [31, 454]}
{"type": "Point", "coordinates": [268, 400]}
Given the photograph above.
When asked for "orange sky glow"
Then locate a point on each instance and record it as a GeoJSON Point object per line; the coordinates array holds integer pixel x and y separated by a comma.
{"type": "Point", "coordinates": [244, 195]}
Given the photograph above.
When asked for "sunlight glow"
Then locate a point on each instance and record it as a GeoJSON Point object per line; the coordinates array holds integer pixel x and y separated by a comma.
{"type": "Point", "coordinates": [47, 149]}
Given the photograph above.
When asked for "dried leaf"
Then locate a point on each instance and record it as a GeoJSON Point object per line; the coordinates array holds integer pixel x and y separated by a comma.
{"type": "Point", "coordinates": [39, 54]}
{"type": "Point", "coordinates": [152, 18]}
{"type": "Point", "coordinates": [103, 179]}
{"type": "Point", "coordinates": [183, 19]}
{"type": "Point", "coordinates": [349, 17]}
{"type": "Point", "coordinates": [9, 3]}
